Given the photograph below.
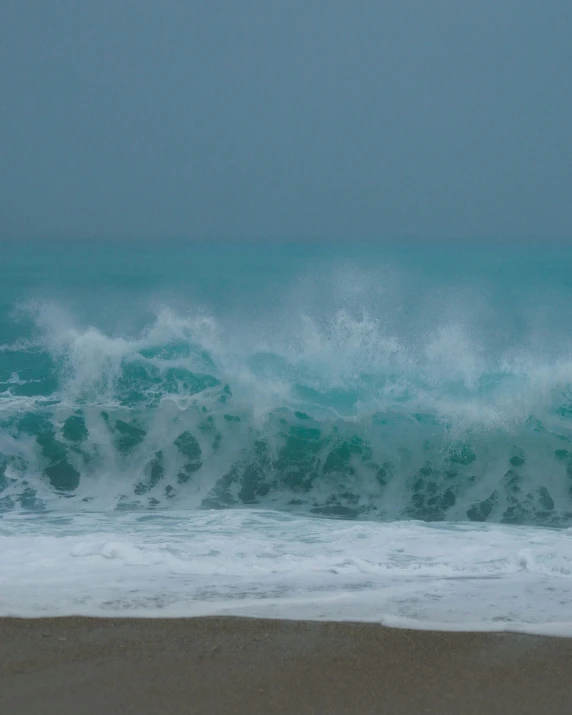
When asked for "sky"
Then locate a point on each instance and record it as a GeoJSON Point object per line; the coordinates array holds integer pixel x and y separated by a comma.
{"type": "Point", "coordinates": [300, 119]}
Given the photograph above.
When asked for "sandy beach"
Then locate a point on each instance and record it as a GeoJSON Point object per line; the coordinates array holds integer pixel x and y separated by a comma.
{"type": "Point", "coordinates": [215, 666]}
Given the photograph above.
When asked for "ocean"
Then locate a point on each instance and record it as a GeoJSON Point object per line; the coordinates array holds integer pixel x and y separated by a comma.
{"type": "Point", "coordinates": [296, 430]}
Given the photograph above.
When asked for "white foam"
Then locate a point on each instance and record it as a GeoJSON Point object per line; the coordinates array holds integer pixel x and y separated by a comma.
{"type": "Point", "coordinates": [268, 564]}
{"type": "Point", "coordinates": [324, 354]}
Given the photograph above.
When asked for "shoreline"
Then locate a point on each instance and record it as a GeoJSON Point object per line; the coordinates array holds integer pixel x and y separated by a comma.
{"type": "Point", "coordinates": [247, 666]}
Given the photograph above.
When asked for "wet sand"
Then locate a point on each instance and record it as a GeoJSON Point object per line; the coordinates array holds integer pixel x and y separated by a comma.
{"type": "Point", "coordinates": [233, 666]}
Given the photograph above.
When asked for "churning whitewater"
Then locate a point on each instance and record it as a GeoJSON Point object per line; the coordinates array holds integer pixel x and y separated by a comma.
{"type": "Point", "coordinates": [405, 386]}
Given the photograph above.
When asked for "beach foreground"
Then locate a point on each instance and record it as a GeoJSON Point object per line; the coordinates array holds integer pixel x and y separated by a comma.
{"type": "Point", "coordinates": [248, 666]}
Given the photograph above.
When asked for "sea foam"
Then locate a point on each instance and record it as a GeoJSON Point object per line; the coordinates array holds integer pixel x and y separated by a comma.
{"type": "Point", "coordinates": [270, 564]}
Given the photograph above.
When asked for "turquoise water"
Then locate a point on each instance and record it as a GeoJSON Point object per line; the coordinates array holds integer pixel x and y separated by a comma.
{"type": "Point", "coordinates": [425, 383]}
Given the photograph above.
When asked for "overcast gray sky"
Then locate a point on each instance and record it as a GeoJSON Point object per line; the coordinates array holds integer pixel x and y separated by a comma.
{"type": "Point", "coordinates": [291, 119]}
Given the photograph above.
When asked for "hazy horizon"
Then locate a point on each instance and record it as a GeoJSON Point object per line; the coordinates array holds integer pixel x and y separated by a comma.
{"type": "Point", "coordinates": [326, 121]}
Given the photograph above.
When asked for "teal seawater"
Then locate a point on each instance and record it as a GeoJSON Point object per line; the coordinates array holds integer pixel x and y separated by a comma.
{"type": "Point", "coordinates": [416, 382]}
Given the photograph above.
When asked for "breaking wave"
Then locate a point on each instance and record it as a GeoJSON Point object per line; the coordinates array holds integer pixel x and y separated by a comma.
{"type": "Point", "coordinates": [348, 412]}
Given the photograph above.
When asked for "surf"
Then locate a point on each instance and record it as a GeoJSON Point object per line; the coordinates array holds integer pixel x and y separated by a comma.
{"type": "Point", "coordinates": [402, 390]}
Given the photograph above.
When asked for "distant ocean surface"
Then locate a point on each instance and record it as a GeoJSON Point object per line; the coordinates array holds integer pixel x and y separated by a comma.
{"type": "Point", "coordinates": [293, 430]}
